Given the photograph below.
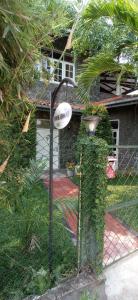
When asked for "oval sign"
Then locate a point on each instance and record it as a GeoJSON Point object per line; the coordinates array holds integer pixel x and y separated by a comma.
{"type": "Point", "coordinates": [62, 115]}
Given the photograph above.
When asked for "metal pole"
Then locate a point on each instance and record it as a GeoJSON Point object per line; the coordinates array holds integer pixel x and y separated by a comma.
{"type": "Point", "coordinates": [50, 231]}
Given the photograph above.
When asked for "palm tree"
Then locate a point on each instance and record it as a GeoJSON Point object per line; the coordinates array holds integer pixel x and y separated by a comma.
{"type": "Point", "coordinates": [124, 11]}
{"type": "Point", "coordinates": [120, 13]}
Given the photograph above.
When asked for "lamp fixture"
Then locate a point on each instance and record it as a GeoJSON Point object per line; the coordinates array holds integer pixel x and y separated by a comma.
{"type": "Point", "coordinates": [91, 123]}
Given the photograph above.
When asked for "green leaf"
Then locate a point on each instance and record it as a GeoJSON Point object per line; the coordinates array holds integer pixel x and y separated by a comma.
{"type": "Point", "coordinates": [6, 31]}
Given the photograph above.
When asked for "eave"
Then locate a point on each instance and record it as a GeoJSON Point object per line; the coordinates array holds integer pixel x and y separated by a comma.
{"type": "Point", "coordinates": [114, 102]}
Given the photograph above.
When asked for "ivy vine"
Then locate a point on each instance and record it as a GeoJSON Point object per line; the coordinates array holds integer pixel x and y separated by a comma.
{"type": "Point", "coordinates": [93, 193]}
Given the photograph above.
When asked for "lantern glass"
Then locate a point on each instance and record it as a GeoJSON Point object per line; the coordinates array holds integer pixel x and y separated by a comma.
{"type": "Point", "coordinates": [91, 123]}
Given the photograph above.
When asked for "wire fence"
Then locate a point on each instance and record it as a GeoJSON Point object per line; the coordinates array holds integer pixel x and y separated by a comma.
{"type": "Point", "coordinates": [121, 219]}
{"type": "Point", "coordinates": [25, 228]}
{"type": "Point", "coordinates": [65, 199]}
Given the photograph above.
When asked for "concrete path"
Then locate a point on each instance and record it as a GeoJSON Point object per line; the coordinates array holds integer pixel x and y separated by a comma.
{"type": "Point", "coordinates": [118, 240]}
{"type": "Point", "coordinates": [77, 287]}
{"type": "Point", "coordinates": [122, 279]}
{"type": "Point", "coordinates": [121, 283]}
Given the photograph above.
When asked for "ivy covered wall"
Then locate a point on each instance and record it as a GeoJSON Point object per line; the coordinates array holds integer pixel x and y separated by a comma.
{"type": "Point", "coordinates": [93, 192]}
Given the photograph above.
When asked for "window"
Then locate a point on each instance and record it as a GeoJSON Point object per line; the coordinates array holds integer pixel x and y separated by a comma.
{"type": "Point", "coordinates": [58, 70]}
{"type": "Point", "coordinates": [115, 138]}
{"type": "Point", "coordinates": [69, 70]}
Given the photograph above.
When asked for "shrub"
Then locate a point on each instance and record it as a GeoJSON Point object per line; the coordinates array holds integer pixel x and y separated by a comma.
{"type": "Point", "coordinates": [24, 238]}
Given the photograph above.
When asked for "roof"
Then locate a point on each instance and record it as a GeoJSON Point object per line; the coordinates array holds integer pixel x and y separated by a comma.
{"type": "Point", "coordinates": [45, 104]}
{"type": "Point", "coordinates": [133, 93]}
{"type": "Point", "coordinates": [108, 84]}
{"type": "Point", "coordinates": [116, 101]}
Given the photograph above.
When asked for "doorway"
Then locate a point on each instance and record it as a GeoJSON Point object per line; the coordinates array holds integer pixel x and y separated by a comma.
{"type": "Point", "coordinates": [43, 141]}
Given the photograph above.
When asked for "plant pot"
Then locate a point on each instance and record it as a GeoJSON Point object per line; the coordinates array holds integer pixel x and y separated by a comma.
{"type": "Point", "coordinates": [70, 173]}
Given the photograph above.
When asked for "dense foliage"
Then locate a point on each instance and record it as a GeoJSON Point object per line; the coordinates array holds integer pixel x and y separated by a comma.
{"type": "Point", "coordinates": [93, 193]}
{"type": "Point", "coordinates": [24, 237]}
{"type": "Point", "coordinates": [108, 35]}
{"type": "Point", "coordinates": [25, 27]}
{"type": "Point", "coordinates": [101, 35]}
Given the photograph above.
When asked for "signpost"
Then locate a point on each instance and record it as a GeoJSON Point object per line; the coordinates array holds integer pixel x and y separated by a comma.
{"type": "Point", "coordinates": [59, 119]}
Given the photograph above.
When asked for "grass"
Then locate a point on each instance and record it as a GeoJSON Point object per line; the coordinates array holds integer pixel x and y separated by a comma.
{"type": "Point", "coordinates": [129, 217]}
{"type": "Point", "coordinates": [120, 190]}
{"type": "Point", "coordinates": [24, 246]}
{"type": "Point", "coordinates": [124, 189]}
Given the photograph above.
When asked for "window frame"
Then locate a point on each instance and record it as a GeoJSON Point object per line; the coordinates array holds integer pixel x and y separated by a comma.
{"type": "Point", "coordinates": [64, 63]}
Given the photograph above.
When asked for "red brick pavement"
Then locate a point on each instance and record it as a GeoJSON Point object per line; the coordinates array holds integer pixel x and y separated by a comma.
{"type": "Point", "coordinates": [63, 188]}
{"type": "Point", "coordinates": [118, 240]}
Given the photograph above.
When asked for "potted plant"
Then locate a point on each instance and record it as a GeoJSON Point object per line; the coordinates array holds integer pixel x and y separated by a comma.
{"type": "Point", "coordinates": [77, 170]}
{"type": "Point", "coordinates": [70, 167]}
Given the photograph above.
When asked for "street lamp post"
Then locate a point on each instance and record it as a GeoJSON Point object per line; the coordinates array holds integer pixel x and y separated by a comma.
{"type": "Point", "coordinates": [50, 231]}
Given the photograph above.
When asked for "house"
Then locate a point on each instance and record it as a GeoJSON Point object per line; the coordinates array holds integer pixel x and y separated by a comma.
{"type": "Point", "coordinates": [40, 93]}
{"type": "Point", "coordinates": [122, 109]}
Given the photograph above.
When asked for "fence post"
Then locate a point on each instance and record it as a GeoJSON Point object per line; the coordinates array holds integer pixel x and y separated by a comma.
{"type": "Point", "coordinates": [93, 192]}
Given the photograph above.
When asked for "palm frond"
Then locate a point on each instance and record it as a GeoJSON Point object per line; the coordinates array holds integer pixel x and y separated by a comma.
{"type": "Point", "coordinates": [33, 173]}
{"type": "Point", "coordinates": [94, 66]}
{"type": "Point", "coordinates": [125, 12]}
{"type": "Point", "coordinates": [70, 204]}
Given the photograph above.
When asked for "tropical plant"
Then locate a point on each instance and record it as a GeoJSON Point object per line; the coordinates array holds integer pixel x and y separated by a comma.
{"type": "Point", "coordinates": [24, 236]}
{"type": "Point", "coordinates": [118, 38]}
{"type": "Point", "coordinates": [88, 41]}
{"type": "Point", "coordinates": [25, 27]}
{"type": "Point", "coordinates": [125, 12]}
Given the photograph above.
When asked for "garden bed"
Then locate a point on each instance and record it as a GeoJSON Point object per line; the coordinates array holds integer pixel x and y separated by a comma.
{"type": "Point", "coordinates": [24, 247]}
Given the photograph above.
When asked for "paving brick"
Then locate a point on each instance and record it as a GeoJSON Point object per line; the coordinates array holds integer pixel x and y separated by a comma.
{"type": "Point", "coordinates": [63, 188]}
